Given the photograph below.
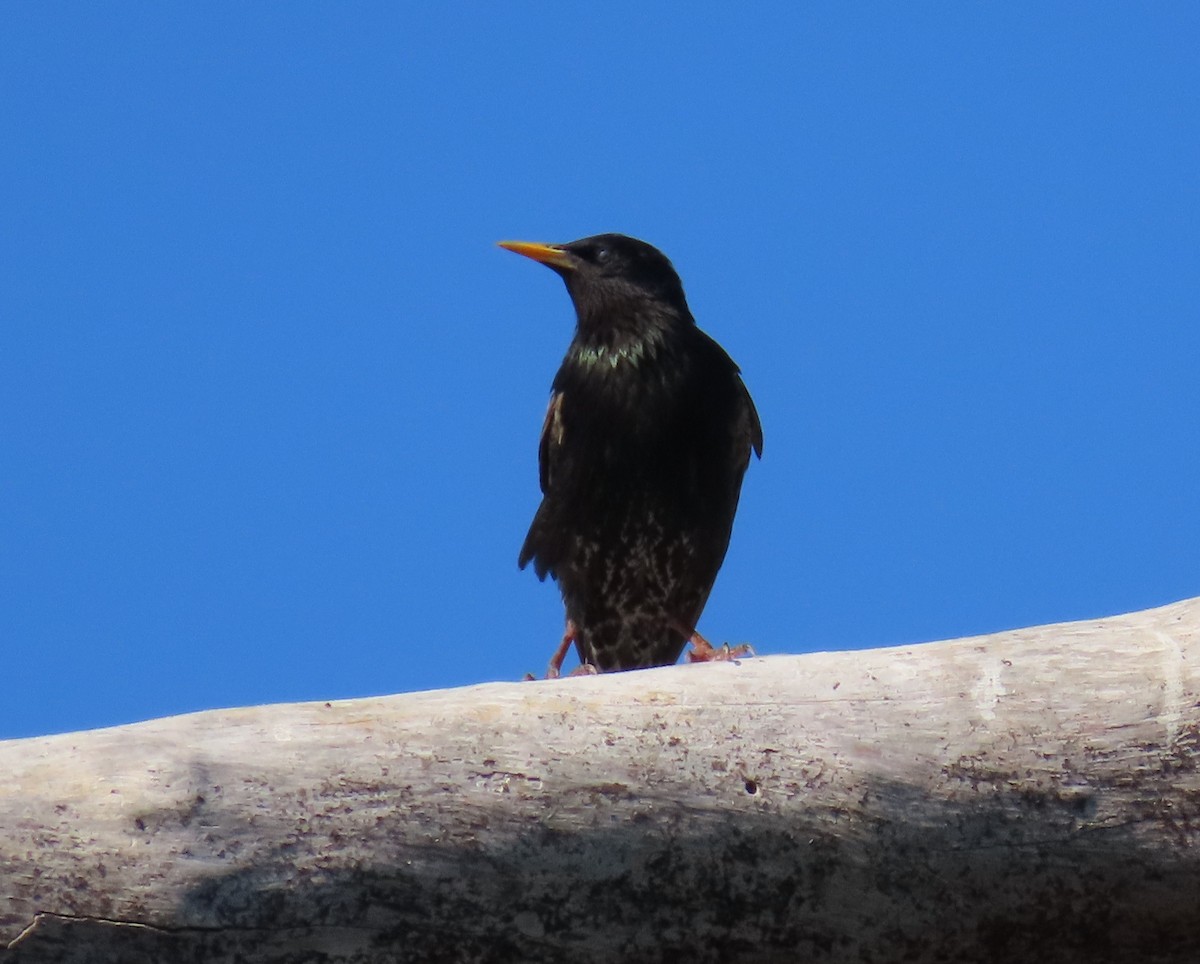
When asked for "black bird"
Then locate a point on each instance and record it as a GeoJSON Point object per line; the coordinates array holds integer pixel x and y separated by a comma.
{"type": "Point", "coordinates": [642, 453]}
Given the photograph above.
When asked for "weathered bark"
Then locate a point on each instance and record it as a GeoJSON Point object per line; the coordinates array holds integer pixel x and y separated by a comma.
{"type": "Point", "coordinates": [1031, 796]}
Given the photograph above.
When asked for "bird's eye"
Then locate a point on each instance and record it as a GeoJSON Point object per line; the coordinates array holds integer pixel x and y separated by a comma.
{"type": "Point", "coordinates": [602, 253]}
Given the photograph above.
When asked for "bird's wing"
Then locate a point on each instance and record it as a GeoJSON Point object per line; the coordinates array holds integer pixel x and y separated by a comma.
{"type": "Point", "coordinates": [551, 440]}
{"type": "Point", "coordinates": [752, 427]}
{"type": "Point", "coordinates": [747, 430]}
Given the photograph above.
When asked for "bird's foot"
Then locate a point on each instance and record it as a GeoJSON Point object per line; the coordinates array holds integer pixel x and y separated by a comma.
{"type": "Point", "coordinates": [554, 670]}
{"type": "Point", "coordinates": [585, 669]}
{"type": "Point", "coordinates": [703, 651]}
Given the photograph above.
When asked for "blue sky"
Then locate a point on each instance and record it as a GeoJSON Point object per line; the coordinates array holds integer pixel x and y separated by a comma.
{"type": "Point", "coordinates": [270, 394]}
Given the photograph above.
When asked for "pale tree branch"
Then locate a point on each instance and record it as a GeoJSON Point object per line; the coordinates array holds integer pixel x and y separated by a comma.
{"type": "Point", "coordinates": [1026, 796]}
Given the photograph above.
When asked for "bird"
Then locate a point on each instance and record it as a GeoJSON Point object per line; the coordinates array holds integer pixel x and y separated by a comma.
{"type": "Point", "coordinates": [641, 456]}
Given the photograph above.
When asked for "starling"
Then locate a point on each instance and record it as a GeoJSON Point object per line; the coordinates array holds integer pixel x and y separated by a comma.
{"type": "Point", "coordinates": [642, 452]}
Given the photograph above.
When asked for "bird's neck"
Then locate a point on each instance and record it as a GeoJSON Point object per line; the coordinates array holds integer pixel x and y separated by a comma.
{"type": "Point", "coordinates": [634, 341]}
{"type": "Point", "coordinates": [616, 351]}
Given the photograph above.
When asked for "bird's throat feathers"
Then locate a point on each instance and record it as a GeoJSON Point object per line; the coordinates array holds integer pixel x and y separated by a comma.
{"type": "Point", "coordinates": [600, 355]}
{"type": "Point", "coordinates": [636, 342]}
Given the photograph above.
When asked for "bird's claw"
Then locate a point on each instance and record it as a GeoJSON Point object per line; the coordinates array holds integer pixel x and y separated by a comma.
{"type": "Point", "coordinates": [703, 651]}
{"type": "Point", "coordinates": [553, 672]}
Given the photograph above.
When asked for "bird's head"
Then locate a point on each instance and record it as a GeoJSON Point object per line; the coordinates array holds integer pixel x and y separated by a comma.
{"type": "Point", "coordinates": [618, 283]}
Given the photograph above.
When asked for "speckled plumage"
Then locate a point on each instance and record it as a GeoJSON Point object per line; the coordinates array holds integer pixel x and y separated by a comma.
{"type": "Point", "coordinates": [648, 434]}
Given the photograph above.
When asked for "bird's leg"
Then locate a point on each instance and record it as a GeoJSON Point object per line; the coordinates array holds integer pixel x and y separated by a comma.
{"type": "Point", "coordinates": [554, 670]}
{"type": "Point", "coordinates": [703, 651]}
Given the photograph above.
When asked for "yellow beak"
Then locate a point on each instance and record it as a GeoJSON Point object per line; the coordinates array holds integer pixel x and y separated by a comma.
{"type": "Point", "coordinates": [547, 254]}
